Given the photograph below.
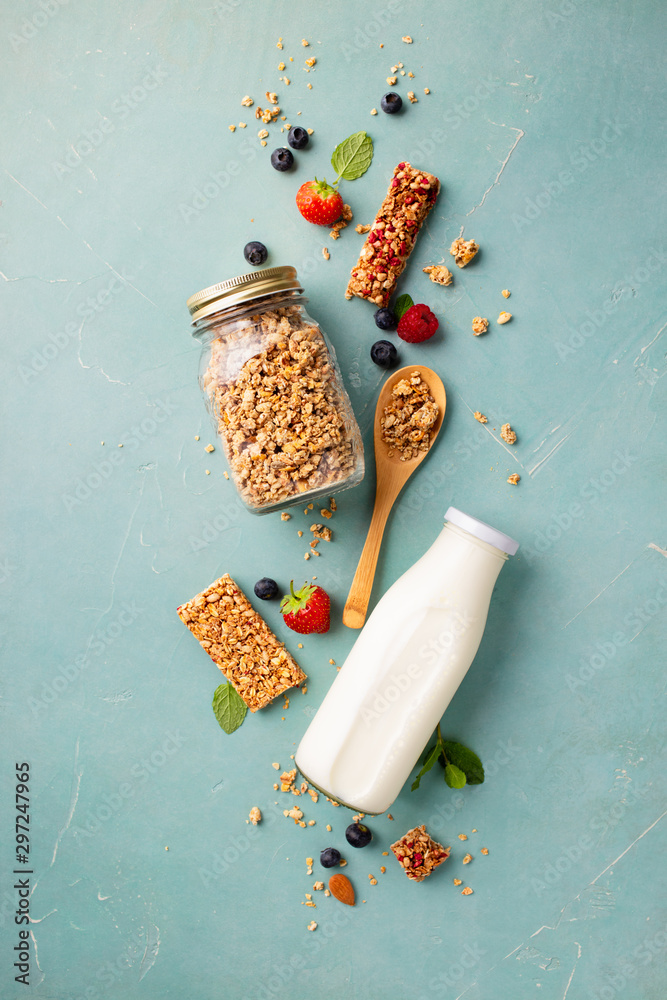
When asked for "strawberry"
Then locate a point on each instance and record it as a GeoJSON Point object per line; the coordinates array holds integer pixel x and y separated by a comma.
{"type": "Point", "coordinates": [319, 203]}
{"type": "Point", "coordinates": [307, 610]}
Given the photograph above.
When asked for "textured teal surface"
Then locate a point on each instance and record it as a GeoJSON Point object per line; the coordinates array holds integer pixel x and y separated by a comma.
{"type": "Point", "coordinates": [123, 192]}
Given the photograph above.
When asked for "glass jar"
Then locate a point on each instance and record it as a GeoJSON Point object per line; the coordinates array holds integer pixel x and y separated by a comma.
{"type": "Point", "coordinates": [274, 390]}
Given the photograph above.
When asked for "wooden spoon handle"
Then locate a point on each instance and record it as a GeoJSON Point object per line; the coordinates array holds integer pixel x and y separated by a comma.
{"type": "Point", "coordinates": [354, 613]}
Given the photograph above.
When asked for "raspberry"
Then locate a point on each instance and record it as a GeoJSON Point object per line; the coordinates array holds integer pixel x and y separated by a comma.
{"type": "Point", "coordinates": [417, 324]}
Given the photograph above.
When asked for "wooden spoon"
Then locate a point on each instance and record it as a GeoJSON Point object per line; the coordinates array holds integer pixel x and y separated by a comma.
{"type": "Point", "coordinates": [392, 475]}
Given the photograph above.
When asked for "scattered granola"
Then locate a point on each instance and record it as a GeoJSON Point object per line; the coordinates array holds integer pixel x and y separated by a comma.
{"type": "Point", "coordinates": [463, 251]}
{"type": "Point", "coordinates": [418, 853]}
{"type": "Point", "coordinates": [438, 273]}
{"type": "Point", "coordinates": [506, 293]}
{"type": "Point", "coordinates": [457, 881]}
{"type": "Point", "coordinates": [272, 455]}
{"type": "Point", "coordinates": [321, 533]}
{"type": "Point", "coordinates": [240, 642]}
{"type": "Point", "coordinates": [232, 128]}
{"type": "Point", "coordinates": [504, 317]}
{"type": "Point", "coordinates": [325, 513]}
{"type": "Point", "coordinates": [406, 39]}
{"type": "Point", "coordinates": [480, 416]}
{"type": "Point", "coordinates": [479, 325]}
{"type": "Point", "coordinates": [325, 253]}
{"type": "Point", "coordinates": [484, 850]}
{"type": "Point", "coordinates": [255, 815]}
{"type": "Point", "coordinates": [391, 80]}
{"type": "Point", "coordinates": [285, 516]}
{"type": "Point", "coordinates": [514, 479]}
{"type": "Point", "coordinates": [507, 434]}
{"type": "Point", "coordinates": [374, 111]}
{"type": "Point", "coordinates": [317, 886]}
{"type": "Point", "coordinates": [412, 97]}
{"type": "Point", "coordinates": [389, 243]}
{"type": "Point", "coordinates": [311, 62]}
{"type": "Point", "coordinates": [209, 448]}
{"type": "Point", "coordinates": [463, 836]}
{"type": "Point", "coordinates": [247, 102]}
{"type": "Point", "coordinates": [426, 90]}
{"type": "Point", "coordinates": [312, 925]}
{"type": "Point", "coordinates": [408, 417]}
{"type": "Point", "coordinates": [467, 891]}
{"type": "Point", "coordinates": [467, 859]}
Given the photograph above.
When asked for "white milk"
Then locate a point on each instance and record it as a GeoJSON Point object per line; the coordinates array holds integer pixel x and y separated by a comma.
{"type": "Point", "coordinates": [404, 668]}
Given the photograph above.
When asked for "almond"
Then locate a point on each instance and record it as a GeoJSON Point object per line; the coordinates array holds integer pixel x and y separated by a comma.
{"type": "Point", "coordinates": [341, 888]}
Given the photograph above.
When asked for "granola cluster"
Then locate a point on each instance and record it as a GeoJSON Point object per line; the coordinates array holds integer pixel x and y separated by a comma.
{"type": "Point", "coordinates": [438, 273]}
{"type": "Point", "coordinates": [392, 237]}
{"type": "Point", "coordinates": [408, 417]}
{"type": "Point", "coordinates": [240, 642]}
{"type": "Point", "coordinates": [418, 853]}
{"type": "Point", "coordinates": [463, 251]}
{"type": "Point", "coordinates": [286, 427]}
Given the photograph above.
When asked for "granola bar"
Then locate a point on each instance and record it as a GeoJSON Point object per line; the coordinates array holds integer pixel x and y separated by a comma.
{"type": "Point", "coordinates": [408, 417]}
{"type": "Point", "coordinates": [418, 853]}
{"type": "Point", "coordinates": [285, 425]}
{"type": "Point", "coordinates": [240, 642]}
{"type": "Point", "coordinates": [390, 242]}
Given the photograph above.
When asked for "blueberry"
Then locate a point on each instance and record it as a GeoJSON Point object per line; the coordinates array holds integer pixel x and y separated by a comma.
{"type": "Point", "coordinates": [329, 857]}
{"type": "Point", "coordinates": [358, 835]}
{"type": "Point", "coordinates": [384, 354]}
{"type": "Point", "coordinates": [386, 319]}
{"type": "Point", "coordinates": [266, 589]}
{"type": "Point", "coordinates": [297, 137]}
{"type": "Point", "coordinates": [391, 103]}
{"type": "Point", "coordinates": [282, 158]}
{"type": "Point", "coordinates": [255, 253]}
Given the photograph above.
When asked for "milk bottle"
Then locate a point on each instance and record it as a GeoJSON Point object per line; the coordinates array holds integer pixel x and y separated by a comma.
{"type": "Point", "coordinates": [404, 668]}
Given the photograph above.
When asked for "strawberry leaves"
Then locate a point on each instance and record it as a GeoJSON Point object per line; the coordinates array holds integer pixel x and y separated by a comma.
{"type": "Point", "coordinates": [462, 765]}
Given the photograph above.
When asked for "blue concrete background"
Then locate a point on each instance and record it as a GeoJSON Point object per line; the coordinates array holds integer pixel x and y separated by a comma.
{"type": "Point", "coordinates": [123, 191]}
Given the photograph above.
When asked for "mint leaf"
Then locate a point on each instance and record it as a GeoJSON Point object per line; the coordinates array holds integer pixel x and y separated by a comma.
{"type": "Point", "coordinates": [428, 761]}
{"type": "Point", "coordinates": [464, 760]}
{"type": "Point", "coordinates": [403, 303]}
{"type": "Point", "coordinates": [352, 157]}
{"type": "Point", "coordinates": [228, 707]}
{"type": "Point", "coordinates": [454, 777]}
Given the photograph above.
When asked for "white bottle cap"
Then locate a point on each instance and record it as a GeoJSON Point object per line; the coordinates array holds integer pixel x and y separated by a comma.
{"type": "Point", "coordinates": [482, 530]}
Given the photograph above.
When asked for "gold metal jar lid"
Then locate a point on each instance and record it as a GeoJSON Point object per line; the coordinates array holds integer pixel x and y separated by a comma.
{"type": "Point", "coordinates": [244, 288]}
